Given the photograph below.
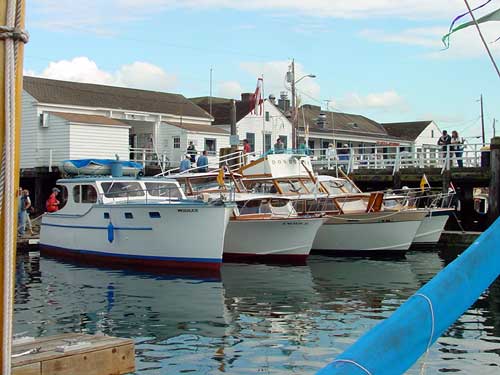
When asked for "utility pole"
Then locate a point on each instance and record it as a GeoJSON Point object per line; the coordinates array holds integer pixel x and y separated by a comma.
{"type": "Point", "coordinates": [294, 108]}
{"type": "Point", "coordinates": [333, 124]}
{"type": "Point", "coordinates": [494, 130]}
{"type": "Point", "coordinates": [482, 121]}
{"type": "Point", "coordinates": [210, 99]}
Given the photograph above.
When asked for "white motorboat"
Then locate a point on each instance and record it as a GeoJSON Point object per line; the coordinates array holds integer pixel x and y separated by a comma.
{"type": "Point", "coordinates": [357, 221]}
{"type": "Point", "coordinates": [268, 229]}
{"type": "Point", "coordinates": [431, 226]}
{"type": "Point", "coordinates": [263, 227]}
{"type": "Point", "coordinates": [147, 222]}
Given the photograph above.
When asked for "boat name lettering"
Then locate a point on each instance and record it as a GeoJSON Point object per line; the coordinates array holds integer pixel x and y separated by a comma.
{"type": "Point", "coordinates": [295, 223]}
{"type": "Point", "coordinates": [187, 210]}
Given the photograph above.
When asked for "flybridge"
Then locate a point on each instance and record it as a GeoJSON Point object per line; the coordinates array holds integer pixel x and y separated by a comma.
{"type": "Point", "coordinates": [278, 166]}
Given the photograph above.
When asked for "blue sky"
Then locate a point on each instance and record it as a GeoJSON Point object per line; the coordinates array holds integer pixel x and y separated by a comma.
{"type": "Point", "coordinates": [379, 58]}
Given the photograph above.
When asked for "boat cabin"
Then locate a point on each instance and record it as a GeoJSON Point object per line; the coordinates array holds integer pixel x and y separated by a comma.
{"type": "Point", "coordinates": [78, 194]}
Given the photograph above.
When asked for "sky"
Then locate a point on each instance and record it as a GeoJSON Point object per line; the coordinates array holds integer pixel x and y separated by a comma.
{"type": "Point", "coordinates": [380, 58]}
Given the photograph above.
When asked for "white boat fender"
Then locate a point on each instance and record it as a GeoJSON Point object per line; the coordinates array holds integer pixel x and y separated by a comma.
{"type": "Point", "coordinates": [111, 232]}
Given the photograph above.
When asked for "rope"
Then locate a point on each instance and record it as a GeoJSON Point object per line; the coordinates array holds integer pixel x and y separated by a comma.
{"type": "Point", "coordinates": [422, 369]}
{"type": "Point", "coordinates": [14, 33]}
{"type": "Point", "coordinates": [353, 363]}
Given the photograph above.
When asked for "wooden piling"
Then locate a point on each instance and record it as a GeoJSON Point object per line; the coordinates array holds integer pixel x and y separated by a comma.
{"type": "Point", "coordinates": [494, 193]}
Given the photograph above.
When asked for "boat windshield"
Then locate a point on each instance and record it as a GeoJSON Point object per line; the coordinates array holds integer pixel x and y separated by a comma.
{"type": "Point", "coordinates": [205, 183]}
{"type": "Point", "coordinates": [292, 187]}
{"type": "Point", "coordinates": [334, 187]}
{"type": "Point", "coordinates": [255, 206]}
{"type": "Point", "coordinates": [122, 189]}
{"type": "Point", "coordinates": [163, 190]}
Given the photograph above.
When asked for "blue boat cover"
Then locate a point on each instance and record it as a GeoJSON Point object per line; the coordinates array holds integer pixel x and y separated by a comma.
{"type": "Point", "coordinates": [395, 344]}
{"type": "Point", "coordinates": [81, 163]}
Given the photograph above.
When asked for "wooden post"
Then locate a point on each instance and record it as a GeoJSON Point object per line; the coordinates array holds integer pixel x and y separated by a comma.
{"type": "Point", "coordinates": [494, 196]}
{"type": "Point", "coordinates": [396, 178]}
{"type": "Point", "coordinates": [446, 180]}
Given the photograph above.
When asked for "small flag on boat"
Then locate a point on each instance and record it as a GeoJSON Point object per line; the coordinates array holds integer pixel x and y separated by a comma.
{"type": "Point", "coordinates": [256, 101]}
{"type": "Point", "coordinates": [493, 16]}
{"type": "Point", "coordinates": [220, 177]}
{"type": "Point", "coordinates": [423, 182]}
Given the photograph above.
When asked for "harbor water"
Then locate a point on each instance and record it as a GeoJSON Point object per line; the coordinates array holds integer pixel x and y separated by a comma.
{"type": "Point", "coordinates": [253, 318]}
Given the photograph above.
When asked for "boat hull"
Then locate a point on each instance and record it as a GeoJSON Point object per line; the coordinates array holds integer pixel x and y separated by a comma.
{"type": "Point", "coordinates": [273, 240]}
{"type": "Point", "coordinates": [146, 235]}
{"type": "Point", "coordinates": [381, 233]}
{"type": "Point", "coordinates": [432, 226]}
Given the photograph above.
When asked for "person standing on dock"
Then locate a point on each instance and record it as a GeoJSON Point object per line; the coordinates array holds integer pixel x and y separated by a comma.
{"type": "Point", "coordinates": [457, 147]}
{"type": "Point", "coordinates": [247, 149]}
{"type": "Point", "coordinates": [191, 151]}
{"type": "Point", "coordinates": [29, 209]}
{"type": "Point", "coordinates": [444, 141]}
{"type": "Point", "coordinates": [202, 162]}
{"type": "Point", "coordinates": [52, 203]}
{"type": "Point", "coordinates": [21, 213]}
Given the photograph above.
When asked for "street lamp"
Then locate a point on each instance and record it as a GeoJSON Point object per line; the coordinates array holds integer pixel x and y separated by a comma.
{"type": "Point", "coordinates": [294, 82]}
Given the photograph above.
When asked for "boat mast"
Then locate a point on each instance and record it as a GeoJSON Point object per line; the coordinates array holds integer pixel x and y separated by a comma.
{"type": "Point", "coordinates": [12, 38]}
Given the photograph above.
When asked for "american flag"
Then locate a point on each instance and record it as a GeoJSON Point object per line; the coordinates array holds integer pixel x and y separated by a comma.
{"type": "Point", "coordinates": [256, 101]}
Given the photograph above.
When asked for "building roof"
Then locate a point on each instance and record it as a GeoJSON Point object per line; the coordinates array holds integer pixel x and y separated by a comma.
{"type": "Point", "coordinates": [343, 123]}
{"type": "Point", "coordinates": [88, 119]}
{"type": "Point", "coordinates": [91, 95]}
{"type": "Point", "coordinates": [406, 130]}
{"type": "Point", "coordinates": [199, 128]}
{"type": "Point", "coordinates": [221, 109]}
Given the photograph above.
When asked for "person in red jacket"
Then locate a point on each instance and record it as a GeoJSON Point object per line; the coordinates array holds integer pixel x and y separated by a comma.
{"type": "Point", "coordinates": [52, 203]}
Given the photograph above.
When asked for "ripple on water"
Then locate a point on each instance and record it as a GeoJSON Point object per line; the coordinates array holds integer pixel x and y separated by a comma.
{"type": "Point", "coordinates": [254, 319]}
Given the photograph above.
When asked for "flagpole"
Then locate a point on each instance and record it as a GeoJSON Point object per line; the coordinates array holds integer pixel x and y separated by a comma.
{"type": "Point", "coordinates": [263, 118]}
{"type": "Point", "coordinates": [482, 38]}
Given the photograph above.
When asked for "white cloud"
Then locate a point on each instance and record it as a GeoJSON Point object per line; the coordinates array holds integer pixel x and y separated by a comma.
{"type": "Point", "coordinates": [102, 16]}
{"type": "Point", "coordinates": [385, 101]}
{"type": "Point", "coordinates": [274, 78]}
{"type": "Point", "coordinates": [463, 44]}
{"type": "Point", "coordinates": [139, 74]}
{"type": "Point", "coordinates": [229, 89]}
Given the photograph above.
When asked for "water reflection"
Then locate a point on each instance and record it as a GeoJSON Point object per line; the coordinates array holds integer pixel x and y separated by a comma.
{"type": "Point", "coordinates": [254, 318]}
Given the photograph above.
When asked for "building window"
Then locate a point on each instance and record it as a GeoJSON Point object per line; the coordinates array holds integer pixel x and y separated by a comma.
{"type": "Point", "coordinates": [177, 142]}
{"type": "Point", "coordinates": [267, 142]}
{"type": "Point", "coordinates": [268, 117]}
{"type": "Point", "coordinates": [432, 133]}
{"type": "Point", "coordinates": [251, 140]}
{"type": "Point", "coordinates": [211, 146]}
{"type": "Point", "coordinates": [284, 139]}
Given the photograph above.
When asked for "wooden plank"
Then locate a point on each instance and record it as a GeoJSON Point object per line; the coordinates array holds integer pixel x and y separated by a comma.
{"type": "Point", "coordinates": [111, 361]}
{"type": "Point", "coordinates": [30, 369]}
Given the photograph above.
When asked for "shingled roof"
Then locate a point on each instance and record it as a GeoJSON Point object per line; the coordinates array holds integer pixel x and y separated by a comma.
{"type": "Point", "coordinates": [88, 119]}
{"type": "Point", "coordinates": [406, 130]}
{"type": "Point", "coordinates": [344, 123]}
{"type": "Point", "coordinates": [91, 95]}
{"type": "Point", "coordinates": [221, 109]}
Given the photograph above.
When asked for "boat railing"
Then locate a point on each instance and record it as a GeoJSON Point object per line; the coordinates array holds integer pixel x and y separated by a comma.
{"type": "Point", "coordinates": [232, 161]}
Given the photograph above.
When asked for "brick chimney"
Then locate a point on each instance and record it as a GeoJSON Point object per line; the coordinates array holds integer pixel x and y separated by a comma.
{"type": "Point", "coordinates": [246, 96]}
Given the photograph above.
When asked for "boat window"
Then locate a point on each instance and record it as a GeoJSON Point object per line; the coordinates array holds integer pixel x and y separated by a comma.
{"type": "Point", "coordinates": [129, 215]}
{"type": "Point", "coordinates": [106, 215]}
{"type": "Point", "coordinates": [333, 187]}
{"type": "Point", "coordinates": [205, 183]}
{"type": "Point", "coordinates": [292, 187]}
{"type": "Point", "coordinates": [154, 215]}
{"type": "Point", "coordinates": [279, 202]}
{"type": "Point", "coordinates": [76, 194]}
{"type": "Point", "coordinates": [249, 207]}
{"type": "Point", "coordinates": [164, 190]}
{"type": "Point", "coordinates": [261, 186]}
{"type": "Point", "coordinates": [122, 189]}
{"type": "Point", "coordinates": [89, 194]}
